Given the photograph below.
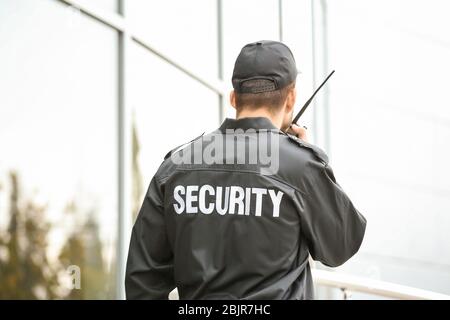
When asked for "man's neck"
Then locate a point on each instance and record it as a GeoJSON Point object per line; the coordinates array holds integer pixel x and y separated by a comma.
{"type": "Point", "coordinates": [261, 112]}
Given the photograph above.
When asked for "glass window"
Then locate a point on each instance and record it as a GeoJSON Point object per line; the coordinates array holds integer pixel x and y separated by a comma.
{"type": "Point", "coordinates": [186, 31]}
{"type": "Point", "coordinates": [297, 34]}
{"type": "Point", "coordinates": [107, 5]}
{"type": "Point", "coordinates": [390, 131]}
{"type": "Point", "coordinates": [58, 167]}
{"type": "Point", "coordinates": [243, 24]}
{"type": "Point", "coordinates": [169, 108]}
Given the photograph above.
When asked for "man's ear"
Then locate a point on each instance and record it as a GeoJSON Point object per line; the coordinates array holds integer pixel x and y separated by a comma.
{"type": "Point", "coordinates": [233, 99]}
{"type": "Point", "coordinates": [290, 101]}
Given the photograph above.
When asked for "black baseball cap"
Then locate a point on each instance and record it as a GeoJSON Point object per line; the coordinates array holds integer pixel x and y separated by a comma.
{"type": "Point", "coordinates": [264, 60]}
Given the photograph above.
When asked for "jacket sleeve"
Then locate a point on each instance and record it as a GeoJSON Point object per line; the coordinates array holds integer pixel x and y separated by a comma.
{"type": "Point", "coordinates": [333, 227]}
{"type": "Point", "coordinates": [149, 271]}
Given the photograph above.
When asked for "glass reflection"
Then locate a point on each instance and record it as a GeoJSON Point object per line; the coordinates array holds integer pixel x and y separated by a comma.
{"type": "Point", "coordinates": [58, 180]}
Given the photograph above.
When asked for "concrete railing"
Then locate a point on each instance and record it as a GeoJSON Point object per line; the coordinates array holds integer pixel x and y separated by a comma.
{"type": "Point", "coordinates": [349, 283]}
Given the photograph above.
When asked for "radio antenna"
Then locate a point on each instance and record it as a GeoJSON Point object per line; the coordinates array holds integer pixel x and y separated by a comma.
{"type": "Point", "coordinates": [299, 114]}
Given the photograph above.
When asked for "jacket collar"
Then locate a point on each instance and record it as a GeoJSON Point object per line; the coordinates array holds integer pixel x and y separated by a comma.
{"type": "Point", "coordinates": [256, 123]}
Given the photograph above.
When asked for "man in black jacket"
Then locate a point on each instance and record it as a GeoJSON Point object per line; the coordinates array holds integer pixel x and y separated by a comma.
{"type": "Point", "coordinates": [235, 214]}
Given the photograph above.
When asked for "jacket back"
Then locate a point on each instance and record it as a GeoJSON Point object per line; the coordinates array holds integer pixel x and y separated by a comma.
{"type": "Point", "coordinates": [236, 213]}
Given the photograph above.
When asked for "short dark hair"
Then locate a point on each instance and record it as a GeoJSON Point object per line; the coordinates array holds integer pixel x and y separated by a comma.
{"type": "Point", "coordinates": [272, 99]}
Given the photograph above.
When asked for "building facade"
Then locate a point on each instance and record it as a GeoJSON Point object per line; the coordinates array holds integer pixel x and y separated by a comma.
{"type": "Point", "coordinates": [93, 93]}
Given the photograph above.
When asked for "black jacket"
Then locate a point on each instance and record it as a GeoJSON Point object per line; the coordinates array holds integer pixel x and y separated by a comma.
{"type": "Point", "coordinates": [233, 229]}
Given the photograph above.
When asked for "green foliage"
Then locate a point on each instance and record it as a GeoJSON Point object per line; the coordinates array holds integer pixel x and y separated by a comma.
{"type": "Point", "coordinates": [25, 269]}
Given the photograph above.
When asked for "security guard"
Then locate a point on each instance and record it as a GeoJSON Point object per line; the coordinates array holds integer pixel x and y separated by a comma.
{"type": "Point", "coordinates": [235, 213]}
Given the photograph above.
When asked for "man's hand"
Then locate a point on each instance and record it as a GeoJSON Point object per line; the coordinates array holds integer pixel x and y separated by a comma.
{"type": "Point", "coordinates": [299, 132]}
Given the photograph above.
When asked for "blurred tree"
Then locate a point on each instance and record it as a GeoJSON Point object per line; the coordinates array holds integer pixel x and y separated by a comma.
{"type": "Point", "coordinates": [26, 272]}
{"type": "Point", "coordinates": [83, 248]}
{"type": "Point", "coordinates": [24, 268]}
